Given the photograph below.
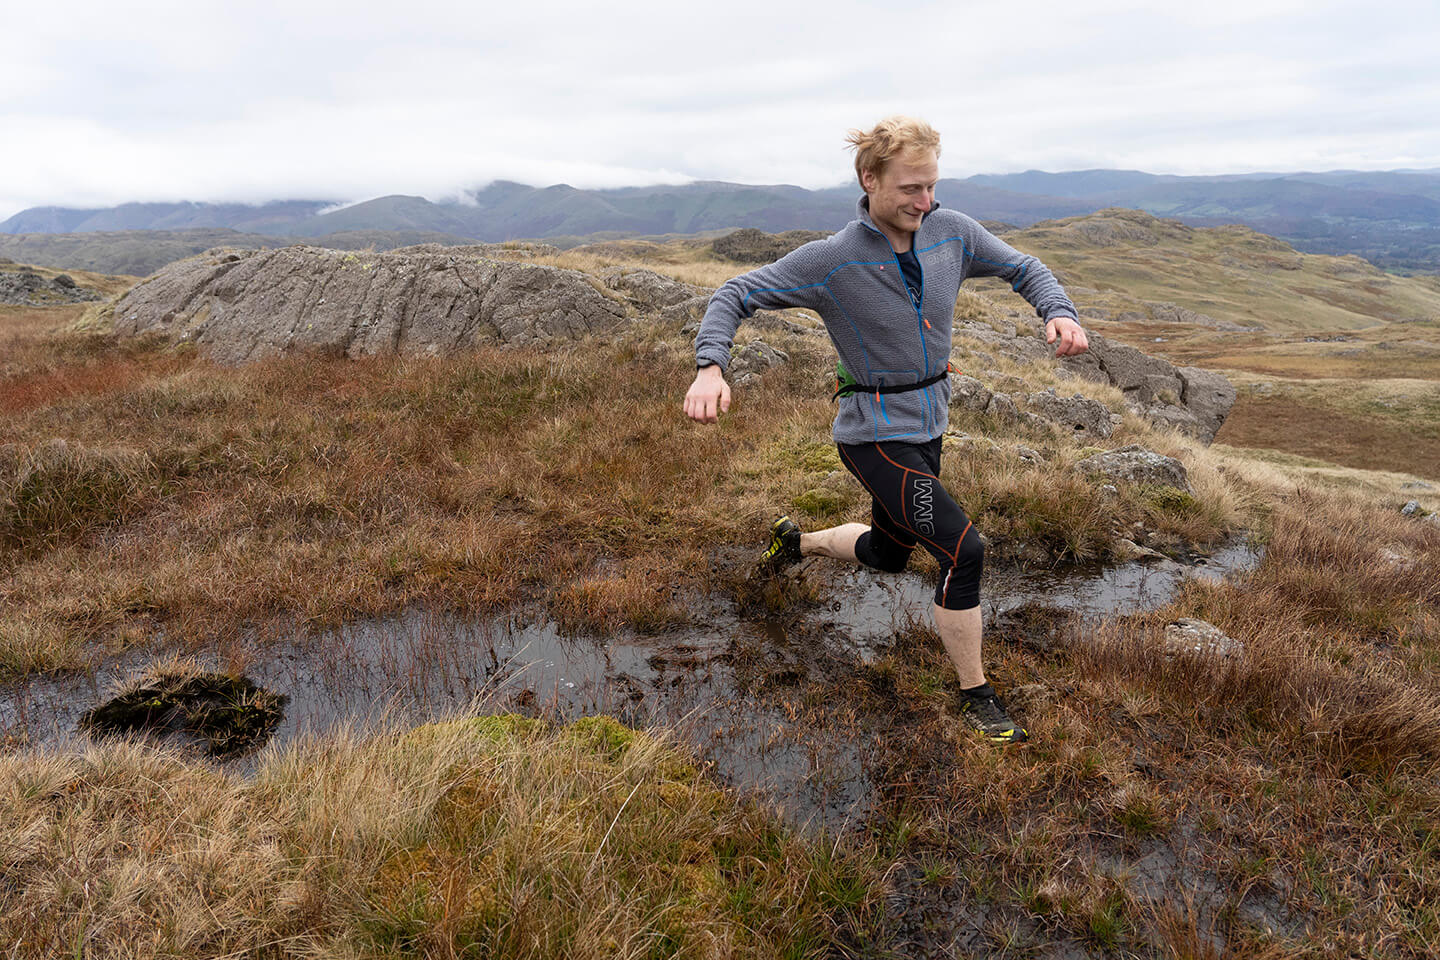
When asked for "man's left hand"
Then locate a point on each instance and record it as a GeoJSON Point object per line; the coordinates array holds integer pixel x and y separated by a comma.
{"type": "Point", "coordinates": [1071, 336]}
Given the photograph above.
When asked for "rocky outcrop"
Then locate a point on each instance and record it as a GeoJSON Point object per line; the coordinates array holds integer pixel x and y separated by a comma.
{"type": "Point", "coordinates": [25, 287]}
{"type": "Point", "coordinates": [245, 304]}
{"type": "Point", "coordinates": [1190, 399]}
{"type": "Point", "coordinates": [1134, 464]}
{"type": "Point", "coordinates": [652, 292]}
{"type": "Point", "coordinates": [748, 245]}
{"type": "Point", "coordinates": [1077, 413]}
{"type": "Point", "coordinates": [754, 358]}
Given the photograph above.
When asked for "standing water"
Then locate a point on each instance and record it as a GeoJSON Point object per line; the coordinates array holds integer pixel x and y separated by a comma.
{"type": "Point", "coordinates": [733, 688]}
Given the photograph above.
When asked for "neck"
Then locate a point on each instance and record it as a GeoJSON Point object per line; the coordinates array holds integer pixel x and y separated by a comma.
{"type": "Point", "coordinates": [899, 241]}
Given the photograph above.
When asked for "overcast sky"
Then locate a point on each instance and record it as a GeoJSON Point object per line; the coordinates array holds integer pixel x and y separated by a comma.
{"type": "Point", "coordinates": [102, 103]}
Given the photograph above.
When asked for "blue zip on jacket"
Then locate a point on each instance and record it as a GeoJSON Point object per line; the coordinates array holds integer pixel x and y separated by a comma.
{"type": "Point", "coordinates": [853, 281]}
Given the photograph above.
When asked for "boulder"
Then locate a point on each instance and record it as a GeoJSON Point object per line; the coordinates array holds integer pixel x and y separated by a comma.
{"type": "Point", "coordinates": [650, 291]}
{"type": "Point", "coordinates": [1077, 412]}
{"type": "Point", "coordinates": [754, 358]}
{"type": "Point", "coordinates": [1190, 399]}
{"type": "Point", "coordinates": [26, 287]}
{"type": "Point", "coordinates": [967, 393]}
{"type": "Point", "coordinates": [246, 304]}
{"type": "Point", "coordinates": [1134, 464]}
{"type": "Point", "coordinates": [1208, 397]}
{"type": "Point", "coordinates": [1002, 408]}
{"type": "Point", "coordinates": [1198, 638]}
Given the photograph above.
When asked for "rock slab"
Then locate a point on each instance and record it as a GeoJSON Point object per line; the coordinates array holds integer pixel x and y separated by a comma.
{"type": "Point", "coordinates": [1134, 464]}
{"type": "Point", "coordinates": [243, 305]}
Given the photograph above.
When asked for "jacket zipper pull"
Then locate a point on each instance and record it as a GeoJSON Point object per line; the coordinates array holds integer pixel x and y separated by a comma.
{"type": "Point", "coordinates": [927, 324]}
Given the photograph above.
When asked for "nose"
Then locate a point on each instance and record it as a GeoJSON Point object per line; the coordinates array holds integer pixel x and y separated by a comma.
{"type": "Point", "coordinates": [924, 201]}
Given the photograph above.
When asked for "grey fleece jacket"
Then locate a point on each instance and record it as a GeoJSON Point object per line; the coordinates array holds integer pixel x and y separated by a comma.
{"type": "Point", "coordinates": [853, 281]}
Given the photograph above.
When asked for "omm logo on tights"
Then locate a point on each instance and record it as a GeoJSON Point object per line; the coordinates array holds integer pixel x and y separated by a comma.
{"type": "Point", "coordinates": [924, 506]}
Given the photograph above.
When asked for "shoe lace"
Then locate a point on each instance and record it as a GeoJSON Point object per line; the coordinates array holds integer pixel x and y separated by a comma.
{"type": "Point", "coordinates": [986, 712]}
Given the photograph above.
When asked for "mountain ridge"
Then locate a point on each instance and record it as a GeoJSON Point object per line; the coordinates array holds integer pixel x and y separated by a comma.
{"type": "Point", "coordinates": [1391, 218]}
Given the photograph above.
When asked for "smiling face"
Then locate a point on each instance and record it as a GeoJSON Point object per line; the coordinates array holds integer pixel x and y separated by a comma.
{"type": "Point", "coordinates": [901, 193]}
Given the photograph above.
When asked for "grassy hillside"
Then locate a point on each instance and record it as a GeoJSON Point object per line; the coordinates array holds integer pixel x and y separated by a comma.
{"type": "Point", "coordinates": [1229, 273]}
{"type": "Point", "coordinates": [1338, 361]}
{"type": "Point", "coordinates": [1276, 803]}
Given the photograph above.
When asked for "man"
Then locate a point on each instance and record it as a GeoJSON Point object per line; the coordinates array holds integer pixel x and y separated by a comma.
{"type": "Point", "coordinates": [886, 287]}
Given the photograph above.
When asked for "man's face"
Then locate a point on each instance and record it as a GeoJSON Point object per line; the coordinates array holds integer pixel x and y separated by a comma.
{"type": "Point", "coordinates": [903, 191]}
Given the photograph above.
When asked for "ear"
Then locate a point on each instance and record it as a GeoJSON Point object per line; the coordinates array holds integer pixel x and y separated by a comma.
{"type": "Point", "coordinates": [869, 181]}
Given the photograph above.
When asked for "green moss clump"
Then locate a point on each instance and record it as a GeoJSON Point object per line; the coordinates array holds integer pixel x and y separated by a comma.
{"type": "Point", "coordinates": [815, 457]}
{"type": "Point", "coordinates": [602, 734]}
{"type": "Point", "coordinates": [1173, 500]}
{"type": "Point", "coordinates": [822, 503]}
{"type": "Point", "coordinates": [498, 728]}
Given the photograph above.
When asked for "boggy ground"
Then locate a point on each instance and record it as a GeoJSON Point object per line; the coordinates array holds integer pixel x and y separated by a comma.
{"type": "Point", "coordinates": [1278, 803]}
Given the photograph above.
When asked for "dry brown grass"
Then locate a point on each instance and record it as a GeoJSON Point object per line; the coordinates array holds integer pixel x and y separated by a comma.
{"type": "Point", "coordinates": [1321, 428]}
{"type": "Point", "coordinates": [1277, 803]}
{"type": "Point", "coordinates": [159, 491]}
{"type": "Point", "coordinates": [485, 837]}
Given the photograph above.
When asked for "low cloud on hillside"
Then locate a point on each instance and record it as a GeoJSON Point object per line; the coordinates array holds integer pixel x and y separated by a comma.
{"type": "Point", "coordinates": [165, 101]}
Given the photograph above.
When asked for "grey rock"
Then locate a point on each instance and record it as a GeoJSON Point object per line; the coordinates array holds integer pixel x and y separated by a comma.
{"type": "Point", "coordinates": [1002, 408]}
{"type": "Point", "coordinates": [1411, 508]}
{"type": "Point", "coordinates": [1077, 412]}
{"type": "Point", "coordinates": [1132, 463]}
{"type": "Point", "coordinates": [754, 358]}
{"type": "Point", "coordinates": [25, 287]}
{"type": "Point", "coordinates": [1128, 551]}
{"type": "Point", "coordinates": [1194, 637]}
{"type": "Point", "coordinates": [686, 312]}
{"type": "Point", "coordinates": [1189, 399]}
{"type": "Point", "coordinates": [510, 250]}
{"type": "Point", "coordinates": [1028, 454]}
{"type": "Point", "coordinates": [968, 393]}
{"type": "Point", "coordinates": [246, 304]}
{"type": "Point", "coordinates": [649, 291]}
{"type": "Point", "coordinates": [1109, 490]}
{"type": "Point", "coordinates": [1177, 418]}
{"type": "Point", "coordinates": [1208, 396]}
{"type": "Point", "coordinates": [1417, 485]}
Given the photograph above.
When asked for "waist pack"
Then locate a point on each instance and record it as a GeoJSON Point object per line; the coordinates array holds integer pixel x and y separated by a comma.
{"type": "Point", "coordinates": [846, 384]}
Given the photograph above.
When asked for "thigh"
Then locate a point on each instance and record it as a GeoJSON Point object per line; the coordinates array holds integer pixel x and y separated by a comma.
{"type": "Point", "coordinates": [905, 485]}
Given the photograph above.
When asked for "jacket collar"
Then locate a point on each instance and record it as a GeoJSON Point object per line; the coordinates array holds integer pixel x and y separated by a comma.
{"type": "Point", "coordinates": [862, 212]}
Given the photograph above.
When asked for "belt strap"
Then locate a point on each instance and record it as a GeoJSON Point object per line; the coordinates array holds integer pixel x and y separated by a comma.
{"type": "Point", "coordinates": [845, 389]}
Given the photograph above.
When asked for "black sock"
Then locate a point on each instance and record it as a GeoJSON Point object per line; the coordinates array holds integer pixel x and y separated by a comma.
{"type": "Point", "coordinates": [982, 692]}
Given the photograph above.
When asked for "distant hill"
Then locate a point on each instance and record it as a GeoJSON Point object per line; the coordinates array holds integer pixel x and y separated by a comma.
{"type": "Point", "coordinates": [1391, 218]}
{"type": "Point", "coordinates": [1127, 264]}
{"type": "Point", "coordinates": [142, 252]}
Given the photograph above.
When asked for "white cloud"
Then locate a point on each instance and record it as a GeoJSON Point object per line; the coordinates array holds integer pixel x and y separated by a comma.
{"type": "Point", "coordinates": [163, 101]}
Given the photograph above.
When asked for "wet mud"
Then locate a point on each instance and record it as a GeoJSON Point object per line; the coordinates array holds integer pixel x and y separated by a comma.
{"type": "Point", "coordinates": [732, 686]}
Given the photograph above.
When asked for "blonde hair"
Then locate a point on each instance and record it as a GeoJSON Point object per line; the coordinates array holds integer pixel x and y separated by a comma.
{"type": "Point", "coordinates": [888, 139]}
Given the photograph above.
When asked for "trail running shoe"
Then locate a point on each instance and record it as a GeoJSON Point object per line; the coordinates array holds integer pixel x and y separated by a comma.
{"type": "Point", "coordinates": [784, 548]}
{"type": "Point", "coordinates": [981, 710]}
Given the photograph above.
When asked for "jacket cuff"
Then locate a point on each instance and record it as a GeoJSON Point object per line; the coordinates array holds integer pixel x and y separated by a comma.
{"type": "Point", "coordinates": [721, 359]}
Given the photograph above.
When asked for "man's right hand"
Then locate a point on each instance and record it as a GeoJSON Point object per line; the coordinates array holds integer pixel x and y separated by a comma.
{"type": "Point", "coordinates": [708, 396]}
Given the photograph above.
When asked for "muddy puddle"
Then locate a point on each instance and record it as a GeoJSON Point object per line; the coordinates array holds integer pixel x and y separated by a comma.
{"type": "Point", "coordinates": [742, 692]}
